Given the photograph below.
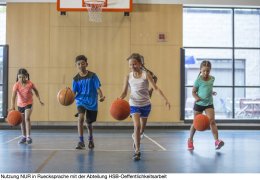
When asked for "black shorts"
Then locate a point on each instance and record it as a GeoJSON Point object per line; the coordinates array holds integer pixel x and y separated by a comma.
{"type": "Point", "coordinates": [22, 109]}
{"type": "Point", "coordinates": [202, 108]}
{"type": "Point", "coordinates": [91, 116]}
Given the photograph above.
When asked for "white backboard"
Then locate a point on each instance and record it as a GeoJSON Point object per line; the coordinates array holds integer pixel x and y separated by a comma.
{"type": "Point", "coordinates": [112, 5]}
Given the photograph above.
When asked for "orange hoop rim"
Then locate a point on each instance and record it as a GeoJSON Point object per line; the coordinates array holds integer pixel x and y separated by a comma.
{"type": "Point", "coordinates": [94, 4]}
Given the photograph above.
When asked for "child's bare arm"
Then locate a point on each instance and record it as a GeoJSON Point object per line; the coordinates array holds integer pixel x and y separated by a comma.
{"type": "Point", "coordinates": [195, 95]}
{"type": "Point", "coordinates": [125, 88]}
{"type": "Point", "coordinates": [14, 93]}
{"type": "Point", "coordinates": [38, 95]}
{"type": "Point", "coordinates": [157, 89]}
{"type": "Point", "coordinates": [155, 81]}
{"type": "Point", "coordinates": [101, 96]}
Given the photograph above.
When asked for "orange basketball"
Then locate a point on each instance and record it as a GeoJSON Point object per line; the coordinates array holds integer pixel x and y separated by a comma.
{"type": "Point", "coordinates": [65, 96]}
{"type": "Point", "coordinates": [120, 109]}
{"type": "Point", "coordinates": [14, 118]}
{"type": "Point", "coordinates": [201, 122]}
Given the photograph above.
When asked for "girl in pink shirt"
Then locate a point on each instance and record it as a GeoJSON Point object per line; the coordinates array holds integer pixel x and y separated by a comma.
{"type": "Point", "coordinates": [23, 90]}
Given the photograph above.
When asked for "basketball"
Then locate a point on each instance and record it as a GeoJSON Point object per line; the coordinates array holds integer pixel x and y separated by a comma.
{"type": "Point", "coordinates": [65, 96]}
{"type": "Point", "coordinates": [14, 118]}
{"type": "Point", "coordinates": [120, 109]}
{"type": "Point", "coordinates": [201, 122]}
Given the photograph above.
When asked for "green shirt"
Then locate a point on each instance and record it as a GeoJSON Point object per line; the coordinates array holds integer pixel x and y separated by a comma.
{"type": "Point", "coordinates": [204, 90]}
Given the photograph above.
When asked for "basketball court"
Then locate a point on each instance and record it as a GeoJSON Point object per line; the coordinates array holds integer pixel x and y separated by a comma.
{"type": "Point", "coordinates": [106, 33]}
{"type": "Point", "coordinates": [163, 151]}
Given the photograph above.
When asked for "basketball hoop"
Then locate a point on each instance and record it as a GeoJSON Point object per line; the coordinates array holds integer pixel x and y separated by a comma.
{"type": "Point", "coordinates": [94, 8]}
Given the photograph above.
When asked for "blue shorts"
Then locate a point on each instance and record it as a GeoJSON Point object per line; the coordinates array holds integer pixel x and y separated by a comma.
{"type": "Point", "coordinates": [144, 111]}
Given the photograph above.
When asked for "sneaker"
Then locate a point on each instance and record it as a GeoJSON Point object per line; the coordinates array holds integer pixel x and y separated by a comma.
{"type": "Point", "coordinates": [134, 146]}
{"type": "Point", "coordinates": [91, 144]}
{"type": "Point", "coordinates": [190, 145]}
{"type": "Point", "coordinates": [81, 145]}
{"type": "Point", "coordinates": [137, 156]}
{"type": "Point", "coordinates": [22, 140]}
{"type": "Point", "coordinates": [29, 140]}
{"type": "Point", "coordinates": [142, 135]}
{"type": "Point", "coordinates": [219, 144]}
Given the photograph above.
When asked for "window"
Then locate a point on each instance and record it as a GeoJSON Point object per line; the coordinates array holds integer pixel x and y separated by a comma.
{"type": "Point", "coordinates": [230, 39]}
{"type": "Point", "coordinates": [2, 24]}
{"type": "Point", "coordinates": [3, 63]}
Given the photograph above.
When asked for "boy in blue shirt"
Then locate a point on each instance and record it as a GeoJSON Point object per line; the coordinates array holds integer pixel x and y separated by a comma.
{"type": "Point", "coordinates": [86, 86]}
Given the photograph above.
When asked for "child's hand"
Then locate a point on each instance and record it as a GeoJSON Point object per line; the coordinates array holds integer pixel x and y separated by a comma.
{"type": "Point", "coordinates": [102, 98]}
{"type": "Point", "coordinates": [11, 109]}
{"type": "Point", "coordinates": [41, 103]}
{"type": "Point", "coordinates": [197, 99]}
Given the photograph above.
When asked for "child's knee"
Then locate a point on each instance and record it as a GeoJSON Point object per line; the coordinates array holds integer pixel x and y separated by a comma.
{"type": "Point", "coordinates": [81, 120]}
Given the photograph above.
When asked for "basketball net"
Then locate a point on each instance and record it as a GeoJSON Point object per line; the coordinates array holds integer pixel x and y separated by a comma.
{"type": "Point", "coordinates": [94, 8]}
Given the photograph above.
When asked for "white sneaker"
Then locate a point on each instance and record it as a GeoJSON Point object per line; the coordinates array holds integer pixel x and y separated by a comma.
{"type": "Point", "coordinates": [134, 146]}
{"type": "Point", "coordinates": [142, 135]}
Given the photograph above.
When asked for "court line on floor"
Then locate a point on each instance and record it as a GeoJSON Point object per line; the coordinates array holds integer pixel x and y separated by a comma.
{"type": "Point", "coordinates": [45, 162]}
{"type": "Point", "coordinates": [12, 140]}
{"type": "Point", "coordinates": [86, 150]}
{"type": "Point", "coordinates": [160, 146]}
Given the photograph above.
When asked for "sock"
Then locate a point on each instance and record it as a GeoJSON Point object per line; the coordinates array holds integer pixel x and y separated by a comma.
{"type": "Point", "coordinates": [90, 138]}
{"type": "Point", "coordinates": [81, 138]}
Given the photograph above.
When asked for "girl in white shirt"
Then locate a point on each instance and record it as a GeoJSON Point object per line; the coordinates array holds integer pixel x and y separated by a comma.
{"type": "Point", "coordinates": [138, 81]}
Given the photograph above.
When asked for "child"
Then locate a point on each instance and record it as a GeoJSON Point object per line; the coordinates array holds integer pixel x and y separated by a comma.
{"type": "Point", "coordinates": [202, 92]}
{"type": "Point", "coordinates": [143, 123]}
{"type": "Point", "coordinates": [23, 90]}
{"type": "Point", "coordinates": [86, 87]}
{"type": "Point", "coordinates": [138, 80]}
